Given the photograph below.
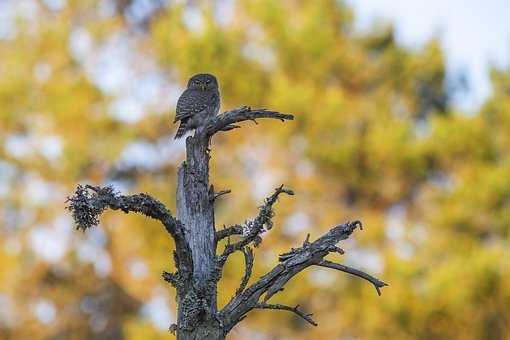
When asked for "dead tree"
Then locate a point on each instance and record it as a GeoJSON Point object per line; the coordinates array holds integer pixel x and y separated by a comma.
{"type": "Point", "coordinates": [198, 260]}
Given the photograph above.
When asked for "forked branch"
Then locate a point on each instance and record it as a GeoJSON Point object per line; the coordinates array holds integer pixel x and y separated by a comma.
{"type": "Point", "coordinates": [236, 229]}
{"type": "Point", "coordinates": [253, 228]}
{"type": "Point", "coordinates": [292, 263]}
{"type": "Point", "coordinates": [248, 267]}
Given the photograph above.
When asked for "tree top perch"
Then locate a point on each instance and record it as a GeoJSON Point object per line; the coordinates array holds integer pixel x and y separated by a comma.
{"type": "Point", "coordinates": [197, 257]}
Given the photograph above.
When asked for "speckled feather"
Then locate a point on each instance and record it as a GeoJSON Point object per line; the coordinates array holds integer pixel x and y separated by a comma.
{"type": "Point", "coordinates": [195, 101]}
{"type": "Point", "coordinates": [196, 104]}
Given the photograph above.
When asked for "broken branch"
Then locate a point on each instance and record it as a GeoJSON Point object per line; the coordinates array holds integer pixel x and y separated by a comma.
{"type": "Point", "coordinates": [295, 310]}
{"type": "Point", "coordinates": [226, 121]}
{"type": "Point", "coordinates": [221, 193]}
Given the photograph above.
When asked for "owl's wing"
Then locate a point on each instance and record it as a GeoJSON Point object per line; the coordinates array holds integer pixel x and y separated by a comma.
{"type": "Point", "coordinates": [189, 103]}
{"type": "Point", "coordinates": [215, 100]}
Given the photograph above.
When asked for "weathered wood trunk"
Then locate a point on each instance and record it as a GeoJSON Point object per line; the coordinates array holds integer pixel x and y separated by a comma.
{"type": "Point", "coordinates": [198, 266]}
{"type": "Point", "coordinates": [195, 209]}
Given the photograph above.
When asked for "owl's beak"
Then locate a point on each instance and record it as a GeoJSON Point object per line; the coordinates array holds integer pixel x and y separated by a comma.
{"type": "Point", "coordinates": [202, 86]}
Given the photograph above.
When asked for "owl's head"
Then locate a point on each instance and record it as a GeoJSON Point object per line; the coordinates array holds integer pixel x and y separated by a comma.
{"type": "Point", "coordinates": [203, 82]}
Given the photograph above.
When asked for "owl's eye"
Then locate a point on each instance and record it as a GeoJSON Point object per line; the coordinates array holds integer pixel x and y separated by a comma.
{"type": "Point", "coordinates": [208, 81]}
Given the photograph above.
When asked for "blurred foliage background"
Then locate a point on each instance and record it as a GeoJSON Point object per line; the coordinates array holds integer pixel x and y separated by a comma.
{"type": "Point", "coordinates": [87, 89]}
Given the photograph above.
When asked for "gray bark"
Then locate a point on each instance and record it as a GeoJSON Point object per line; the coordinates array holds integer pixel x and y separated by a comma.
{"type": "Point", "coordinates": [195, 210]}
{"type": "Point", "coordinates": [199, 267]}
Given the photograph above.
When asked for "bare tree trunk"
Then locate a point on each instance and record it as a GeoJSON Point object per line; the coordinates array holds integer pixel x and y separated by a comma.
{"type": "Point", "coordinates": [198, 262]}
{"type": "Point", "coordinates": [195, 210]}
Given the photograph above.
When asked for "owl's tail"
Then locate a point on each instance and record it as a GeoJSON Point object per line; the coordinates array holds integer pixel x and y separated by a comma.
{"type": "Point", "coordinates": [181, 130]}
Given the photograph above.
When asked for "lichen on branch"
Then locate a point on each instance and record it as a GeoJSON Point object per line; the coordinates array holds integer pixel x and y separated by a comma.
{"type": "Point", "coordinates": [199, 266]}
{"type": "Point", "coordinates": [89, 202]}
{"type": "Point", "coordinates": [291, 263]}
{"type": "Point", "coordinates": [252, 228]}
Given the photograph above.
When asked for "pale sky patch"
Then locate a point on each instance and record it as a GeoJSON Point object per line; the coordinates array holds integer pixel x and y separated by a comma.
{"type": "Point", "coordinates": [473, 33]}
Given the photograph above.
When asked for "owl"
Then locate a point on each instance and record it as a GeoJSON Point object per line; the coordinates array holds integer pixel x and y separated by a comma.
{"type": "Point", "coordinates": [200, 100]}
